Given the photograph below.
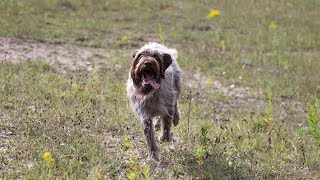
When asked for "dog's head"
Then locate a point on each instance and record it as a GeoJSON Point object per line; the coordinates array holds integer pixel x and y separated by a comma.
{"type": "Point", "coordinates": [148, 68]}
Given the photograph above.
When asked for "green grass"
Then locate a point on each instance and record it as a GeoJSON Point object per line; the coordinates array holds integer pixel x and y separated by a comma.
{"type": "Point", "coordinates": [82, 118]}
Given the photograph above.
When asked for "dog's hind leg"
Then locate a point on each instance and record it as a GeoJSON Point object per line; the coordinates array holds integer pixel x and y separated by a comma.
{"type": "Point", "coordinates": [176, 115]}
{"type": "Point", "coordinates": [153, 151]}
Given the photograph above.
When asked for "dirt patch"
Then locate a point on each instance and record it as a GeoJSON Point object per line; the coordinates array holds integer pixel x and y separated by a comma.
{"type": "Point", "coordinates": [233, 98]}
{"type": "Point", "coordinates": [67, 58]}
{"type": "Point", "coordinates": [63, 57]}
{"type": "Point", "coordinates": [5, 136]}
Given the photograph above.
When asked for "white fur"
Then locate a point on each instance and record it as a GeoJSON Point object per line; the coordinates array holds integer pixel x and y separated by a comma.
{"type": "Point", "coordinates": [161, 49]}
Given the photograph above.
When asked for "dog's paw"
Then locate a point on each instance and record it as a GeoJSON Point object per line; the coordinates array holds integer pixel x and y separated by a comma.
{"type": "Point", "coordinates": [154, 155]}
{"type": "Point", "coordinates": [176, 118]}
{"type": "Point", "coordinates": [176, 121]}
{"type": "Point", "coordinates": [166, 137]}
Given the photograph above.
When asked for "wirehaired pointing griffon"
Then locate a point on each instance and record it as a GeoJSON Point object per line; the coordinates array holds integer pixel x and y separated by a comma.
{"type": "Point", "coordinates": [153, 89]}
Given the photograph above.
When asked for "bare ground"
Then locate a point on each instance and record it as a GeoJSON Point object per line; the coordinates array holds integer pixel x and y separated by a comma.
{"type": "Point", "coordinates": [63, 57]}
{"type": "Point", "coordinates": [66, 58]}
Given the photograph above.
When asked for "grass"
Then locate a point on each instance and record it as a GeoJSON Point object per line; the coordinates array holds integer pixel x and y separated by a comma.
{"type": "Point", "coordinates": [83, 118]}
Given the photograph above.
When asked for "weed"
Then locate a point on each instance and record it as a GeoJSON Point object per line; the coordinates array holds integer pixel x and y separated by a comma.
{"type": "Point", "coordinates": [314, 118]}
{"type": "Point", "coordinates": [47, 156]}
{"type": "Point", "coordinates": [133, 167]}
{"type": "Point", "coordinates": [189, 111]}
{"type": "Point", "coordinates": [125, 40]}
{"type": "Point", "coordinates": [49, 159]}
{"type": "Point", "coordinates": [203, 137]}
{"type": "Point", "coordinates": [272, 26]}
{"type": "Point", "coordinates": [222, 46]}
{"type": "Point", "coordinates": [268, 119]}
{"type": "Point", "coordinates": [201, 152]}
{"type": "Point", "coordinates": [213, 13]}
{"type": "Point", "coordinates": [265, 122]}
{"type": "Point", "coordinates": [161, 34]}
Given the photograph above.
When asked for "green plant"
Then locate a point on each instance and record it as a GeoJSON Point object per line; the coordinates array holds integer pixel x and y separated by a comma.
{"type": "Point", "coordinates": [133, 167]}
{"type": "Point", "coordinates": [125, 40]}
{"type": "Point", "coordinates": [203, 137]}
{"type": "Point", "coordinates": [202, 150]}
{"type": "Point", "coordinates": [161, 34]}
{"type": "Point", "coordinates": [200, 153]}
{"type": "Point", "coordinates": [269, 113]}
{"type": "Point", "coordinates": [47, 156]}
{"type": "Point", "coordinates": [146, 172]}
{"type": "Point", "coordinates": [265, 121]}
{"type": "Point", "coordinates": [314, 118]}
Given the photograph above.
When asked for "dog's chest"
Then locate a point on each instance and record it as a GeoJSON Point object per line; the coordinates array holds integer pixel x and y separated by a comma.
{"type": "Point", "coordinates": [153, 107]}
{"type": "Point", "coordinates": [149, 105]}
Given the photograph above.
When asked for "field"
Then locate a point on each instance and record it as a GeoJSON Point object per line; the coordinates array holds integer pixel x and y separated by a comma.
{"type": "Point", "coordinates": [249, 105]}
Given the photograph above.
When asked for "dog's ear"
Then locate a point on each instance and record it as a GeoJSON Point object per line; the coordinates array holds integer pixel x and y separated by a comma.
{"type": "Point", "coordinates": [134, 53]}
{"type": "Point", "coordinates": [134, 62]}
{"type": "Point", "coordinates": [166, 61]}
{"type": "Point", "coordinates": [132, 74]}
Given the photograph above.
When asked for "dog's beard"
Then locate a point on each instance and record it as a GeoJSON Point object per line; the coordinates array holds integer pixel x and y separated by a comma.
{"type": "Point", "coordinates": [146, 74]}
{"type": "Point", "coordinates": [149, 79]}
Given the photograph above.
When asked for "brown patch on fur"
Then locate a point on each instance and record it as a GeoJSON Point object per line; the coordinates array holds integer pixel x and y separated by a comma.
{"type": "Point", "coordinates": [155, 65]}
{"type": "Point", "coordinates": [159, 63]}
{"type": "Point", "coordinates": [166, 61]}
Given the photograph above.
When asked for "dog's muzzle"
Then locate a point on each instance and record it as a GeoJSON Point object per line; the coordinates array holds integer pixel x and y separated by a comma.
{"type": "Point", "coordinates": [148, 76]}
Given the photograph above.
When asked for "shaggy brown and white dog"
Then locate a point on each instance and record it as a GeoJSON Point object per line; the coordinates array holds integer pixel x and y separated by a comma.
{"type": "Point", "coordinates": [153, 89]}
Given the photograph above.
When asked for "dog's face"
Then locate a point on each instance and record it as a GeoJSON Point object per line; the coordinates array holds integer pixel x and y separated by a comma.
{"type": "Point", "coordinates": [148, 69]}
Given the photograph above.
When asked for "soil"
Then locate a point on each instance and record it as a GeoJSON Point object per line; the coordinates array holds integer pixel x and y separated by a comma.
{"type": "Point", "coordinates": [67, 58]}
{"type": "Point", "coordinates": [63, 57]}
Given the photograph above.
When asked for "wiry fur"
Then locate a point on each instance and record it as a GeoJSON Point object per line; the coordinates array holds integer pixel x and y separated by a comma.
{"type": "Point", "coordinates": [160, 102]}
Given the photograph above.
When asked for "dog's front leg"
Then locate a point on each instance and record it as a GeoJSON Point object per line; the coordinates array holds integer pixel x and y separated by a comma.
{"type": "Point", "coordinates": [166, 134]}
{"type": "Point", "coordinates": [153, 151]}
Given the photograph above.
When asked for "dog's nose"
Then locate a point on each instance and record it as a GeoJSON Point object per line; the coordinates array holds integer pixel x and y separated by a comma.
{"type": "Point", "coordinates": [147, 63]}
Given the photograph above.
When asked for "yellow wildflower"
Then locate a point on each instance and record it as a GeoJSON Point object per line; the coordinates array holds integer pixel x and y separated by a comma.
{"type": "Point", "coordinates": [209, 81]}
{"type": "Point", "coordinates": [223, 46]}
{"type": "Point", "coordinates": [272, 26]}
{"type": "Point", "coordinates": [47, 156]}
{"type": "Point", "coordinates": [213, 13]}
{"type": "Point", "coordinates": [125, 39]}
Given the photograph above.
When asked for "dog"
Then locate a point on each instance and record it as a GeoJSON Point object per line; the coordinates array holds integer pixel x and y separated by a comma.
{"type": "Point", "coordinates": [153, 88]}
